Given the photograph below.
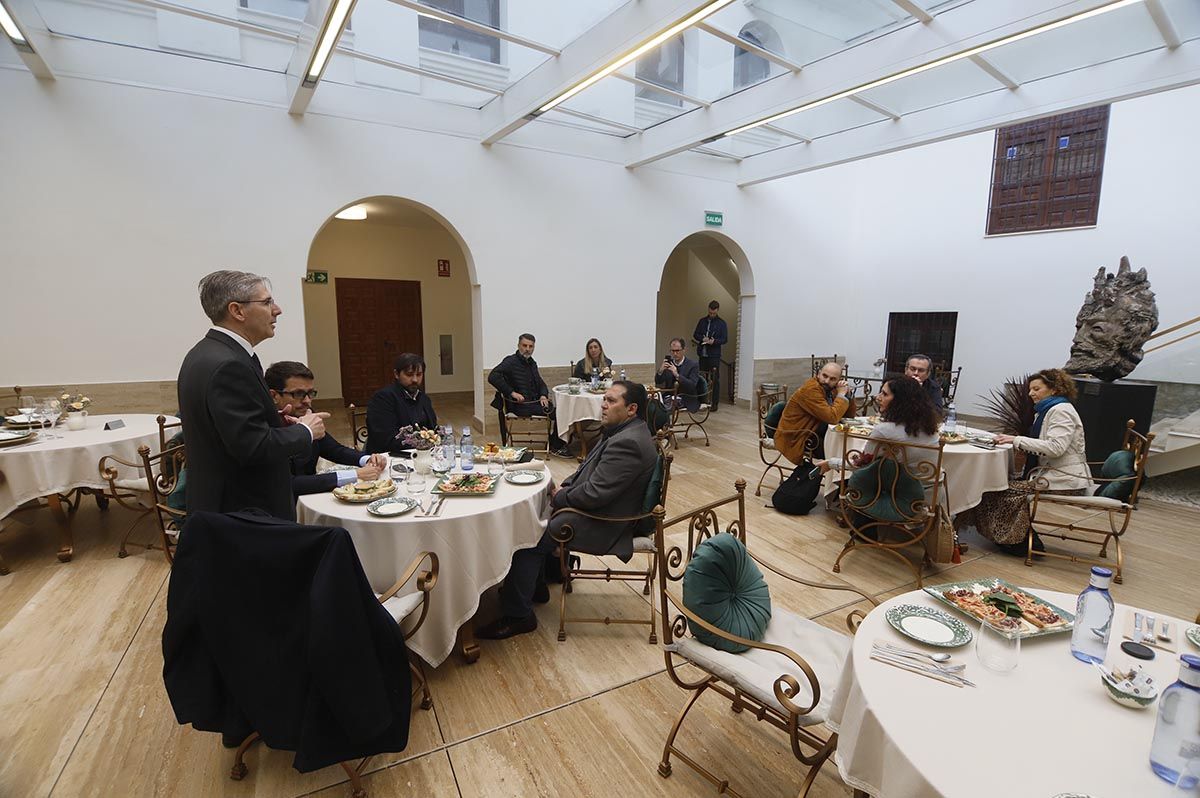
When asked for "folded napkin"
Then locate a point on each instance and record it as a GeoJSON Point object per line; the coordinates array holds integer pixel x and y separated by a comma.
{"type": "Point", "coordinates": [532, 465]}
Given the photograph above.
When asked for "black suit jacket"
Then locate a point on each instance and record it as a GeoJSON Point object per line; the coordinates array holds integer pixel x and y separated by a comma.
{"type": "Point", "coordinates": [934, 389]}
{"type": "Point", "coordinates": [305, 478]}
{"type": "Point", "coordinates": [689, 382]}
{"type": "Point", "coordinates": [392, 408]}
{"type": "Point", "coordinates": [272, 627]}
{"type": "Point", "coordinates": [238, 450]}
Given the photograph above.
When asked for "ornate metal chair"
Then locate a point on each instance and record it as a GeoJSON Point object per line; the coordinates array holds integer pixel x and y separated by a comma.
{"type": "Point", "coordinates": [682, 419]}
{"type": "Point", "coordinates": [642, 544]}
{"type": "Point", "coordinates": [1068, 517]}
{"type": "Point", "coordinates": [902, 495]}
{"type": "Point", "coordinates": [358, 425]}
{"type": "Point", "coordinates": [403, 608]}
{"type": "Point", "coordinates": [820, 361]}
{"type": "Point", "coordinates": [767, 400]}
{"type": "Point", "coordinates": [786, 680]}
{"type": "Point", "coordinates": [948, 379]}
{"type": "Point", "coordinates": [10, 401]}
{"type": "Point", "coordinates": [531, 432]}
{"type": "Point", "coordinates": [866, 399]}
{"type": "Point", "coordinates": [154, 490]}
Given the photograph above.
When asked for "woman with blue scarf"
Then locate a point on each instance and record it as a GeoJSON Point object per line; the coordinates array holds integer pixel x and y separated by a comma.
{"type": "Point", "coordinates": [1055, 461]}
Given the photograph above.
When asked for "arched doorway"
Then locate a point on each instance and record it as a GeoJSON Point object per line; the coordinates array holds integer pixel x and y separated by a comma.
{"type": "Point", "coordinates": [704, 266]}
{"type": "Point", "coordinates": [389, 275]}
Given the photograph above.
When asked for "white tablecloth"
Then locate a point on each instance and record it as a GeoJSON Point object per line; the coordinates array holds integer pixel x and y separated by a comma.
{"type": "Point", "coordinates": [904, 736]}
{"type": "Point", "coordinates": [474, 538]}
{"type": "Point", "coordinates": [72, 461]}
{"type": "Point", "coordinates": [569, 408]}
{"type": "Point", "coordinates": [970, 470]}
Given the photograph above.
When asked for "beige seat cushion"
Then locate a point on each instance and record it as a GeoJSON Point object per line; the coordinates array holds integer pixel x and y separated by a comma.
{"type": "Point", "coordinates": [644, 544]}
{"type": "Point", "coordinates": [1098, 502]}
{"type": "Point", "coordinates": [754, 672]}
{"type": "Point", "coordinates": [766, 443]}
{"type": "Point", "coordinates": [400, 607]}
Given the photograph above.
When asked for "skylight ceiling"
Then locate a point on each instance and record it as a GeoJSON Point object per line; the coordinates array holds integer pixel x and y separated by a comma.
{"type": "Point", "coordinates": [484, 67]}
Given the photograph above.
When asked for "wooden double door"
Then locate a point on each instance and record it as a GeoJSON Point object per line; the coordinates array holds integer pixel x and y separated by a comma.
{"type": "Point", "coordinates": [377, 320]}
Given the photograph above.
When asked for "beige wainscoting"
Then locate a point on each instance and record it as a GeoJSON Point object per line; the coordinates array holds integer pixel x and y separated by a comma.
{"type": "Point", "coordinates": [156, 396]}
{"type": "Point", "coordinates": [791, 371]}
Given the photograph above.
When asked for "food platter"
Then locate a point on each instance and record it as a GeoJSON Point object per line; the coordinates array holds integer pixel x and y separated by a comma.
{"type": "Point", "coordinates": [363, 492]}
{"type": "Point", "coordinates": [466, 485]}
{"type": "Point", "coordinates": [1036, 618]}
{"type": "Point", "coordinates": [392, 506]}
{"type": "Point", "coordinates": [1193, 634]}
{"type": "Point", "coordinates": [928, 625]}
{"type": "Point", "coordinates": [952, 437]}
{"type": "Point", "coordinates": [506, 454]}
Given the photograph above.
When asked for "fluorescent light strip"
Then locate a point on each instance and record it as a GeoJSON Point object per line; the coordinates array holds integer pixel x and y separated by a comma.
{"type": "Point", "coordinates": [983, 48]}
{"type": "Point", "coordinates": [10, 27]}
{"type": "Point", "coordinates": [329, 36]}
{"type": "Point", "coordinates": [678, 27]}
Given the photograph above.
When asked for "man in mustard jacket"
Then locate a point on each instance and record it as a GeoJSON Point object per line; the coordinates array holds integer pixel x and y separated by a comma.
{"type": "Point", "coordinates": [819, 402]}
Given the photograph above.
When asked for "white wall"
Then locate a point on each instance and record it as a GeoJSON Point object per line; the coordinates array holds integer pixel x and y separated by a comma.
{"type": "Point", "coordinates": [116, 199]}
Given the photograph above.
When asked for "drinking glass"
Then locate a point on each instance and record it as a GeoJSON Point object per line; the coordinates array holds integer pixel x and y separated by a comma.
{"type": "Point", "coordinates": [494, 467]}
{"type": "Point", "coordinates": [51, 410]}
{"type": "Point", "coordinates": [27, 407]}
{"type": "Point", "coordinates": [997, 651]}
{"type": "Point", "coordinates": [415, 484]}
{"type": "Point", "coordinates": [397, 470]}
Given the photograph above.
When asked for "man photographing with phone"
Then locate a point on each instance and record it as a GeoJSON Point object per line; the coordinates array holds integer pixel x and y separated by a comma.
{"type": "Point", "coordinates": [680, 373]}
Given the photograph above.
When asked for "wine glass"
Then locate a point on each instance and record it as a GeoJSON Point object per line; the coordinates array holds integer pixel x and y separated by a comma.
{"type": "Point", "coordinates": [494, 467]}
{"type": "Point", "coordinates": [998, 650]}
{"type": "Point", "coordinates": [27, 407]}
{"type": "Point", "coordinates": [51, 410]}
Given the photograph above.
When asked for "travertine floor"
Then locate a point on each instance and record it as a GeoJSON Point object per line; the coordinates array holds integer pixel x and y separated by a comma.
{"type": "Point", "coordinates": [83, 710]}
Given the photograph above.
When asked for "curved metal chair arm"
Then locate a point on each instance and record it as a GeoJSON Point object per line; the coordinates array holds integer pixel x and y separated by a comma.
{"type": "Point", "coordinates": [563, 539]}
{"type": "Point", "coordinates": [425, 582]}
{"type": "Point", "coordinates": [822, 585]}
{"type": "Point", "coordinates": [110, 474]}
{"type": "Point", "coordinates": [786, 685]}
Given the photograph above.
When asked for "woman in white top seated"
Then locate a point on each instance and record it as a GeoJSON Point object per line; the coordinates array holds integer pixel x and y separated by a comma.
{"type": "Point", "coordinates": [1055, 462]}
{"type": "Point", "coordinates": [908, 416]}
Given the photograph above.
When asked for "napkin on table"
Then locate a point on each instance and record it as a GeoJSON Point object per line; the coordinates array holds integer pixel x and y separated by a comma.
{"type": "Point", "coordinates": [532, 465]}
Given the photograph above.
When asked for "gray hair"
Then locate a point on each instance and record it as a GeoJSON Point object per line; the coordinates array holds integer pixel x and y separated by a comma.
{"type": "Point", "coordinates": [928, 360]}
{"type": "Point", "coordinates": [220, 288]}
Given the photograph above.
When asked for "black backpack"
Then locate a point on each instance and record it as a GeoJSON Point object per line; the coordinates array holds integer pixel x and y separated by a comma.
{"type": "Point", "coordinates": [797, 494]}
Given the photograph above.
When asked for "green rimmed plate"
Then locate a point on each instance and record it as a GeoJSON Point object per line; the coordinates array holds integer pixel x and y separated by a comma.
{"type": "Point", "coordinates": [392, 506]}
{"type": "Point", "coordinates": [1193, 635]}
{"type": "Point", "coordinates": [524, 477]}
{"type": "Point", "coordinates": [929, 625]}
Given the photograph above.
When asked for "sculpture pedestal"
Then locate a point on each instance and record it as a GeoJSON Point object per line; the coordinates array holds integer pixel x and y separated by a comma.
{"type": "Point", "coordinates": [1104, 408]}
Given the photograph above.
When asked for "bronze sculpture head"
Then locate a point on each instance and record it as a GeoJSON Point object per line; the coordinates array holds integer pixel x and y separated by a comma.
{"type": "Point", "coordinates": [1117, 317]}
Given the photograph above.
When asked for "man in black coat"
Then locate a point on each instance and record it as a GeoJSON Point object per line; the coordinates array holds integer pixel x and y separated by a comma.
{"type": "Point", "coordinates": [239, 447]}
{"type": "Point", "coordinates": [680, 373]}
{"type": "Point", "coordinates": [918, 367]}
{"type": "Point", "coordinates": [400, 404]}
{"type": "Point", "coordinates": [291, 386]}
{"type": "Point", "coordinates": [521, 390]}
{"type": "Point", "coordinates": [710, 335]}
{"type": "Point", "coordinates": [611, 482]}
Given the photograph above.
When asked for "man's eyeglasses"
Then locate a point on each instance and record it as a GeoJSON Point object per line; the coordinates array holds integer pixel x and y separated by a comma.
{"type": "Point", "coordinates": [299, 396]}
{"type": "Point", "coordinates": [268, 302]}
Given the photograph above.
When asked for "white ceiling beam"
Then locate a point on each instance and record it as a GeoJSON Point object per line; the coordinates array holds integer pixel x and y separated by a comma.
{"type": "Point", "coordinates": [324, 19]}
{"type": "Point", "coordinates": [785, 132]}
{"type": "Point", "coordinates": [876, 107]}
{"type": "Point", "coordinates": [26, 44]}
{"type": "Point", "coordinates": [661, 89]}
{"type": "Point", "coordinates": [954, 31]}
{"type": "Point", "coordinates": [599, 120]}
{"type": "Point", "coordinates": [717, 153]}
{"type": "Point", "coordinates": [604, 43]}
{"type": "Point", "coordinates": [912, 8]}
{"type": "Point", "coordinates": [1162, 20]}
{"type": "Point", "coordinates": [196, 13]}
{"type": "Point", "coordinates": [1113, 81]}
{"type": "Point", "coordinates": [987, 66]}
{"type": "Point", "coordinates": [478, 27]}
{"type": "Point", "coordinates": [761, 52]}
{"type": "Point", "coordinates": [414, 70]}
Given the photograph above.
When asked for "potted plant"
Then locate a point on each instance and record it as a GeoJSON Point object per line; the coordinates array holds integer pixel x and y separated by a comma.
{"type": "Point", "coordinates": [1012, 410]}
{"type": "Point", "coordinates": [75, 405]}
{"type": "Point", "coordinates": [419, 440]}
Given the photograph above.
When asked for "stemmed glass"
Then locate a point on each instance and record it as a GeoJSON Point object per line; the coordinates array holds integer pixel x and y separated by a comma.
{"type": "Point", "coordinates": [997, 649]}
{"type": "Point", "coordinates": [28, 407]}
{"type": "Point", "coordinates": [51, 409]}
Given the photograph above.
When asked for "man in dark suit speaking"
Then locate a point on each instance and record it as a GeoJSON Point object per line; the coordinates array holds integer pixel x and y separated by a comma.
{"type": "Point", "coordinates": [611, 481]}
{"type": "Point", "coordinates": [239, 446]}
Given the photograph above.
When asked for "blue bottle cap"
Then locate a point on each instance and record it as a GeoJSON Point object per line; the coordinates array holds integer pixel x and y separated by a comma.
{"type": "Point", "coordinates": [1100, 570]}
{"type": "Point", "coordinates": [1190, 661]}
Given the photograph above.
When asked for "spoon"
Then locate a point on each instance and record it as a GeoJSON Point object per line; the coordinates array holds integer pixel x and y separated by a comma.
{"type": "Point", "coordinates": [939, 657]}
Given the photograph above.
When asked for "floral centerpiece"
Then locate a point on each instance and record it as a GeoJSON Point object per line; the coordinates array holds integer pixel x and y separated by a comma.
{"type": "Point", "coordinates": [412, 437]}
{"type": "Point", "coordinates": [74, 402]}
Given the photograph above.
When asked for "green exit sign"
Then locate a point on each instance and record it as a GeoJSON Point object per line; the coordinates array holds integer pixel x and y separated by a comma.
{"type": "Point", "coordinates": [714, 218]}
{"type": "Point", "coordinates": [321, 278]}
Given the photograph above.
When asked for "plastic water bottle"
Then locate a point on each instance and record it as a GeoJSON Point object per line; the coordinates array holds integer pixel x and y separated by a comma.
{"type": "Point", "coordinates": [951, 424]}
{"type": "Point", "coordinates": [595, 377]}
{"type": "Point", "coordinates": [1093, 618]}
{"type": "Point", "coordinates": [1175, 751]}
{"type": "Point", "coordinates": [622, 375]}
{"type": "Point", "coordinates": [466, 456]}
{"type": "Point", "coordinates": [448, 444]}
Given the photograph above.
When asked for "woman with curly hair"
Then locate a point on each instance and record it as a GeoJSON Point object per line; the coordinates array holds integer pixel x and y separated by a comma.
{"type": "Point", "coordinates": [908, 416]}
{"type": "Point", "coordinates": [593, 358]}
{"type": "Point", "coordinates": [1055, 462]}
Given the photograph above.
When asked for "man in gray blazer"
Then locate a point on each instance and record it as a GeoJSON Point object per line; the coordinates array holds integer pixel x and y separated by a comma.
{"type": "Point", "coordinates": [611, 482]}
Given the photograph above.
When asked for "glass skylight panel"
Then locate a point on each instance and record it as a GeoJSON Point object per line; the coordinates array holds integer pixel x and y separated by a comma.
{"type": "Point", "coordinates": [633, 104]}
{"type": "Point", "coordinates": [557, 117]}
{"type": "Point", "coordinates": [830, 118]}
{"type": "Point", "coordinates": [954, 81]}
{"type": "Point", "coordinates": [1091, 41]}
{"type": "Point", "coordinates": [752, 142]}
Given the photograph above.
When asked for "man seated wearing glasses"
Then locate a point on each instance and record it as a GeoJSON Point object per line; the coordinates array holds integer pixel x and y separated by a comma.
{"type": "Point", "coordinates": [291, 385]}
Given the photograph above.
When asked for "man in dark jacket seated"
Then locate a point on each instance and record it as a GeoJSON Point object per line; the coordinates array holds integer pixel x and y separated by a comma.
{"type": "Point", "coordinates": [400, 404]}
{"type": "Point", "coordinates": [520, 389]}
{"type": "Point", "coordinates": [291, 383]}
{"type": "Point", "coordinates": [920, 368]}
{"type": "Point", "coordinates": [682, 374]}
{"type": "Point", "coordinates": [611, 482]}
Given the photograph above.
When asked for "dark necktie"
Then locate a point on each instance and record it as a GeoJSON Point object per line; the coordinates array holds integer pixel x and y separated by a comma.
{"type": "Point", "coordinates": [257, 363]}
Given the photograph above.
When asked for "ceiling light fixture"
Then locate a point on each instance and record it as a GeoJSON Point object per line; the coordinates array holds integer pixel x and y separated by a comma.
{"type": "Point", "coordinates": [355, 213]}
{"type": "Point", "coordinates": [331, 31]}
{"type": "Point", "coordinates": [983, 48]}
{"type": "Point", "coordinates": [9, 26]}
{"type": "Point", "coordinates": [640, 50]}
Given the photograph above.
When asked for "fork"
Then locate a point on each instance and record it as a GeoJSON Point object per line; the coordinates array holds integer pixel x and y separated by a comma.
{"type": "Point", "coordinates": [916, 656]}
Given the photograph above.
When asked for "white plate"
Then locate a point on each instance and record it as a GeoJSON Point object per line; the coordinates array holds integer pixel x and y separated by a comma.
{"type": "Point", "coordinates": [393, 505]}
{"type": "Point", "coordinates": [524, 477]}
{"type": "Point", "coordinates": [14, 434]}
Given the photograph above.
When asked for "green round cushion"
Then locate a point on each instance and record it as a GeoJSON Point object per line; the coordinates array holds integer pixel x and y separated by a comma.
{"type": "Point", "coordinates": [1118, 465]}
{"type": "Point", "coordinates": [723, 586]}
{"type": "Point", "coordinates": [771, 420]}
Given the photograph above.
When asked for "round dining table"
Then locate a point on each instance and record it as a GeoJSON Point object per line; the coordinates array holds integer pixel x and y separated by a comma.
{"type": "Point", "coordinates": [1046, 728]}
{"type": "Point", "coordinates": [970, 470]}
{"type": "Point", "coordinates": [571, 409]}
{"type": "Point", "coordinates": [51, 468]}
{"type": "Point", "coordinates": [474, 538]}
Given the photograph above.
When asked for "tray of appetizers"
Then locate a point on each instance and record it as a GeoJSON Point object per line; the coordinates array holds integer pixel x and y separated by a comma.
{"type": "Point", "coordinates": [1006, 607]}
{"type": "Point", "coordinates": [365, 491]}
